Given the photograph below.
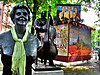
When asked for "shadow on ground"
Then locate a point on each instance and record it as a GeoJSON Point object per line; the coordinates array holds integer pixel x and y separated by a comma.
{"type": "Point", "coordinates": [89, 68]}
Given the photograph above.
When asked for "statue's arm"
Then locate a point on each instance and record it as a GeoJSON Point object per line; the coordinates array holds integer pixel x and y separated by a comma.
{"type": "Point", "coordinates": [1, 39]}
{"type": "Point", "coordinates": [54, 33]}
{"type": "Point", "coordinates": [36, 24]}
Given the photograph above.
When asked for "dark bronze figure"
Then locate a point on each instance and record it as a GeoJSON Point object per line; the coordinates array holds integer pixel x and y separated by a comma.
{"type": "Point", "coordinates": [20, 15]}
{"type": "Point", "coordinates": [46, 33]}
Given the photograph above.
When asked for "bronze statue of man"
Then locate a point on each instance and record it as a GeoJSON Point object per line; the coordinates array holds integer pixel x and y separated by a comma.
{"type": "Point", "coordinates": [18, 46]}
{"type": "Point", "coordinates": [46, 34]}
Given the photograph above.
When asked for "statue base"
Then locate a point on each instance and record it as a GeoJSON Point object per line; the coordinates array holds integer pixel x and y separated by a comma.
{"type": "Point", "coordinates": [43, 67]}
{"type": "Point", "coordinates": [55, 72]}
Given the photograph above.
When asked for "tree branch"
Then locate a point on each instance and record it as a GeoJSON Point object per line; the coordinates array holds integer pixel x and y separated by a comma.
{"type": "Point", "coordinates": [28, 6]}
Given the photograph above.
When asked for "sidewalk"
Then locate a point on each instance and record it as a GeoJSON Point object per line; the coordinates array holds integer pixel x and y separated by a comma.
{"type": "Point", "coordinates": [1, 68]}
{"type": "Point", "coordinates": [69, 63]}
{"type": "Point", "coordinates": [55, 62]}
{"type": "Point", "coordinates": [0, 72]}
{"type": "Point", "coordinates": [93, 62]}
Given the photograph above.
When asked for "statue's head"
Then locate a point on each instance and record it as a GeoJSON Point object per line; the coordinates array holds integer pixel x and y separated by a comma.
{"type": "Point", "coordinates": [20, 15]}
{"type": "Point", "coordinates": [43, 14]}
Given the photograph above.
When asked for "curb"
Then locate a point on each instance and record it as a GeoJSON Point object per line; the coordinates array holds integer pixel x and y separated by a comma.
{"type": "Point", "coordinates": [69, 63]}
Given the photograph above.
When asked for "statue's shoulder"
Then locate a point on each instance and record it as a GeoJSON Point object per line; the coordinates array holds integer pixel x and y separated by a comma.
{"type": "Point", "coordinates": [33, 39]}
{"type": "Point", "coordinates": [37, 19]}
{"type": "Point", "coordinates": [5, 34]}
{"type": "Point", "coordinates": [5, 37]}
{"type": "Point", "coordinates": [31, 36]}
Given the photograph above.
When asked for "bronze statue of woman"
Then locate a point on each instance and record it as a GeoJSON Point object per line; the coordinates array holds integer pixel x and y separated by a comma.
{"type": "Point", "coordinates": [18, 46]}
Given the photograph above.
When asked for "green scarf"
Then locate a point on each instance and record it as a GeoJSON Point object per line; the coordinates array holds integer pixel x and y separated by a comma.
{"type": "Point", "coordinates": [19, 54]}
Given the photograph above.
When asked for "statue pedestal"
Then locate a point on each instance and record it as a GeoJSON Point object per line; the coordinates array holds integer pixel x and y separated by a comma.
{"type": "Point", "coordinates": [55, 72]}
{"type": "Point", "coordinates": [42, 69]}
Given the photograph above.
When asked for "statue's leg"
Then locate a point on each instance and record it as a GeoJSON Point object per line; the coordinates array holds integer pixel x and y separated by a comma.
{"type": "Point", "coordinates": [6, 60]}
{"type": "Point", "coordinates": [29, 62]}
{"type": "Point", "coordinates": [45, 61]}
{"type": "Point", "coordinates": [51, 62]}
{"type": "Point", "coordinates": [41, 60]}
{"type": "Point", "coordinates": [36, 61]}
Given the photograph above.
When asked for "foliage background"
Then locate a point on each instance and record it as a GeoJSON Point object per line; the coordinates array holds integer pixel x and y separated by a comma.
{"type": "Point", "coordinates": [37, 6]}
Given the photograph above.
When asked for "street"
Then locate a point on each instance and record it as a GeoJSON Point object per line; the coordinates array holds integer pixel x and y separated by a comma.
{"type": "Point", "coordinates": [93, 63]}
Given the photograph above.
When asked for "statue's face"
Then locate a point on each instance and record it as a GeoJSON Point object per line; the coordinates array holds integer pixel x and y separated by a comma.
{"type": "Point", "coordinates": [21, 17]}
{"type": "Point", "coordinates": [43, 14]}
